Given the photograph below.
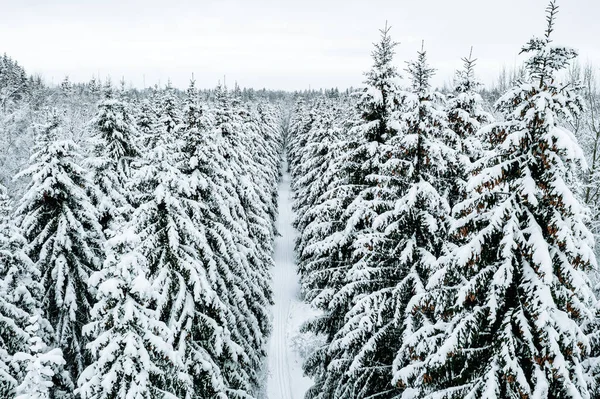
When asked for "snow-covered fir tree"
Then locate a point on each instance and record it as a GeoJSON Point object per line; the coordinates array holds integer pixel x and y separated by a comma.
{"type": "Point", "coordinates": [66, 86]}
{"type": "Point", "coordinates": [322, 149]}
{"type": "Point", "coordinates": [181, 268]}
{"type": "Point", "coordinates": [466, 116]}
{"type": "Point", "coordinates": [19, 295]}
{"type": "Point", "coordinates": [146, 119]}
{"type": "Point", "coordinates": [94, 86]}
{"type": "Point", "coordinates": [293, 131]}
{"type": "Point", "coordinates": [331, 258]}
{"type": "Point", "coordinates": [241, 212]}
{"type": "Point", "coordinates": [223, 111]}
{"type": "Point", "coordinates": [41, 365]}
{"type": "Point", "coordinates": [264, 155]}
{"type": "Point", "coordinates": [401, 250]}
{"type": "Point", "coordinates": [195, 115]}
{"type": "Point", "coordinates": [64, 238]}
{"type": "Point", "coordinates": [157, 115]}
{"type": "Point", "coordinates": [513, 305]}
{"type": "Point", "coordinates": [169, 113]}
{"type": "Point", "coordinates": [269, 120]}
{"type": "Point", "coordinates": [300, 127]}
{"type": "Point", "coordinates": [324, 217]}
{"type": "Point", "coordinates": [132, 356]}
{"type": "Point", "coordinates": [113, 140]}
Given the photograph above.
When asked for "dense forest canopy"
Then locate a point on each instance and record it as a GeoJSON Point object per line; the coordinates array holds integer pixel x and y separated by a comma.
{"type": "Point", "coordinates": [446, 236]}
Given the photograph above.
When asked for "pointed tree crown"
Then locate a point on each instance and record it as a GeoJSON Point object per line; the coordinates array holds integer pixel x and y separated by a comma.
{"type": "Point", "coordinates": [547, 59]}
{"type": "Point", "coordinates": [464, 80]}
{"type": "Point", "coordinates": [382, 55]}
{"type": "Point", "coordinates": [420, 72]}
{"type": "Point", "coordinates": [381, 95]}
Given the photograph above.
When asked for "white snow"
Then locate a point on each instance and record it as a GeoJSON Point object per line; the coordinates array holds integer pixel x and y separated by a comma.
{"type": "Point", "coordinates": [286, 379]}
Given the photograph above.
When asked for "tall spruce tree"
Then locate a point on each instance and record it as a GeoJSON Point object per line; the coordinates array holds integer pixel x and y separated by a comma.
{"type": "Point", "coordinates": [194, 115]}
{"type": "Point", "coordinates": [401, 250]}
{"type": "Point", "coordinates": [131, 350]}
{"type": "Point", "coordinates": [318, 154]}
{"type": "Point", "coordinates": [263, 177]}
{"type": "Point", "coordinates": [146, 119]}
{"type": "Point", "coordinates": [169, 114]}
{"type": "Point", "coordinates": [513, 304]}
{"type": "Point", "coordinates": [223, 111]}
{"type": "Point", "coordinates": [335, 255]}
{"type": "Point", "coordinates": [114, 147]}
{"type": "Point", "coordinates": [321, 226]}
{"type": "Point", "coordinates": [24, 331]}
{"type": "Point", "coordinates": [19, 296]}
{"type": "Point", "coordinates": [299, 126]}
{"type": "Point", "coordinates": [63, 237]}
{"type": "Point", "coordinates": [181, 268]}
{"type": "Point", "coordinates": [466, 116]}
{"type": "Point", "coordinates": [270, 124]}
{"type": "Point", "coordinates": [240, 213]}
{"type": "Point", "coordinates": [12, 332]}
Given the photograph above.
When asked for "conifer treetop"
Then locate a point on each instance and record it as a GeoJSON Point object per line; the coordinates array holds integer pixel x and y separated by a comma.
{"type": "Point", "coordinates": [108, 91]}
{"type": "Point", "coordinates": [420, 72]}
{"type": "Point", "coordinates": [465, 80]}
{"type": "Point", "coordinates": [382, 94]}
{"type": "Point", "coordinates": [547, 59]}
{"type": "Point", "coordinates": [48, 132]}
{"type": "Point", "coordinates": [382, 55]}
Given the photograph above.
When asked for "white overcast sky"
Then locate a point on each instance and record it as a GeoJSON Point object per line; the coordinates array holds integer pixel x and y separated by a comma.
{"type": "Point", "coordinates": [275, 44]}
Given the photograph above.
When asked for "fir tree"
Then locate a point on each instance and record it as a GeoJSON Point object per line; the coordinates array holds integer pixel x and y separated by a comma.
{"type": "Point", "coordinates": [335, 255]}
{"type": "Point", "coordinates": [321, 151]}
{"type": "Point", "coordinates": [169, 117]}
{"type": "Point", "coordinates": [223, 111]}
{"type": "Point", "coordinates": [401, 250]}
{"type": "Point", "coordinates": [305, 116]}
{"type": "Point", "coordinates": [513, 304]}
{"type": "Point", "coordinates": [108, 90]}
{"type": "Point", "coordinates": [146, 121]}
{"type": "Point", "coordinates": [42, 365]}
{"type": "Point", "coordinates": [259, 162]}
{"type": "Point", "coordinates": [66, 86]}
{"type": "Point", "coordinates": [181, 268]}
{"type": "Point", "coordinates": [94, 86]}
{"type": "Point", "coordinates": [20, 314]}
{"type": "Point", "coordinates": [241, 224]}
{"type": "Point", "coordinates": [269, 121]}
{"type": "Point", "coordinates": [132, 356]}
{"type": "Point", "coordinates": [19, 294]}
{"type": "Point", "coordinates": [114, 147]}
{"type": "Point", "coordinates": [64, 238]}
{"type": "Point", "coordinates": [465, 118]}
{"type": "Point", "coordinates": [295, 130]}
{"type": "Point", "coordinates": [194, 116]}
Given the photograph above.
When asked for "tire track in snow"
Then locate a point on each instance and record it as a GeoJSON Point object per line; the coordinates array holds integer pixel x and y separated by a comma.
{"type": "Point", "coordinates": [286, 380]}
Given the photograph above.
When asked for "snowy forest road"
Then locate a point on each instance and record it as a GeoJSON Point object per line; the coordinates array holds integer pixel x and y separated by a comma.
{"type": "Point", "coordinates": [286, 380]}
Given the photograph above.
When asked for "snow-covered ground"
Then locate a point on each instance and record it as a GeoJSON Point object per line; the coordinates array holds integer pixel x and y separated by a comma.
{"type": "Point", "coordinates": [286, 380]}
